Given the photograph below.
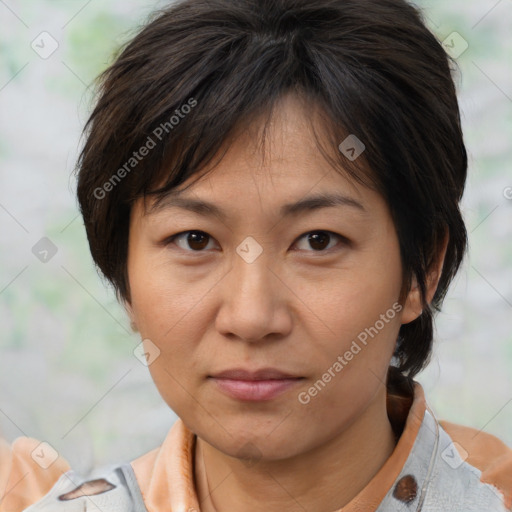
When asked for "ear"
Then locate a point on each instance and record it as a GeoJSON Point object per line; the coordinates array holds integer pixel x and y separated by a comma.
{"type": "Point", "coordinates": [129, 310]}
{"type": "Point", "coordinates": [413, 307]}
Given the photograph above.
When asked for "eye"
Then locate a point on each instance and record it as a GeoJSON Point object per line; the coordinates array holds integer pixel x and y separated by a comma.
{"type": "Point", "coordinates": [196, 240]}
{"type": "Point", "coordinates": [320, 240]}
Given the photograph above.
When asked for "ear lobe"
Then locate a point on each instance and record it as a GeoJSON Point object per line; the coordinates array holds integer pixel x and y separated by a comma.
{"type": "Point", "coordinates": [413, 306]}
{"type": "Point", "coordinates": [437, 270]}
{"type": "Point", "coordinates": [131, 315]}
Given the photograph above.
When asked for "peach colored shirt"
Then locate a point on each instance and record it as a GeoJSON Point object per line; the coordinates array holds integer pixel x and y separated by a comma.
{"type": "Point", "coordinates": [22, 480]}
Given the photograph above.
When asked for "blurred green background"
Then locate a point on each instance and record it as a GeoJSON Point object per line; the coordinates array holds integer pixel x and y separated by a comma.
{"type": "Point", "coordinates": [67, 370]}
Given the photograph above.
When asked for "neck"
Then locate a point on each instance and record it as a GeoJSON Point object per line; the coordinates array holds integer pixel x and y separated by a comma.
{"type": "Point", "coordinates": [324, 479]}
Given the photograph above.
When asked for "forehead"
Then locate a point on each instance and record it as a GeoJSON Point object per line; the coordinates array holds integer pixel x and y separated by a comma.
{"type": "Point", "coordinates": [274, 163]}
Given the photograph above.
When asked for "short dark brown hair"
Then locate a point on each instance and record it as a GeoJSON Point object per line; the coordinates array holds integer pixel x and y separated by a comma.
{"type": "Point", "coordinates": [200, 69]}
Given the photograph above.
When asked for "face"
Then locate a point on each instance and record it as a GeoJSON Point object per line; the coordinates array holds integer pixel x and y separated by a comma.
{"type": "Point", "coordinates": [252, 283]}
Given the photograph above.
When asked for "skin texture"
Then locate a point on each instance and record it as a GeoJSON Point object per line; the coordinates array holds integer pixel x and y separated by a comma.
{"type": "Point", "coordinates": [295, 308]}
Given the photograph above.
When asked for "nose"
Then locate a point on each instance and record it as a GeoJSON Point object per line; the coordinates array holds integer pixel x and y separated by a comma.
{"type": "Point", "coordinates": [254, 301]}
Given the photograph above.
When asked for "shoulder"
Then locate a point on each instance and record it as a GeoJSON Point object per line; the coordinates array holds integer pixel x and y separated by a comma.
{"type": "Point", "coordinates": [436, 478]}
{"type": "Point", "coordinates": [28, 470]}
{"type": "Point", "coordinates": [35, 478]}
{"type": "Point", "coordinates": [485, 452]}
{"type": "Point", "coordinates": [115, 491]}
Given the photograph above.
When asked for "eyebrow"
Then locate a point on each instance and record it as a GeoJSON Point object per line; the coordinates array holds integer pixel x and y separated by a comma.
{"type": "Point", "coordinates": [206, 208]}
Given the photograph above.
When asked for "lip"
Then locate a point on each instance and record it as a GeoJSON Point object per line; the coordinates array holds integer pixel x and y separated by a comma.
{"type": "Point", "coordinates": [255, 390]}
{"type": "Point", "coordinates": [259, 385]}
{"type": "Point", "coordinates": [261, 374]}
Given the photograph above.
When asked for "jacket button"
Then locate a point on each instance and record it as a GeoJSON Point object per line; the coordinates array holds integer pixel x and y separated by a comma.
{"type": "Point", "coordinates": [406, 489]}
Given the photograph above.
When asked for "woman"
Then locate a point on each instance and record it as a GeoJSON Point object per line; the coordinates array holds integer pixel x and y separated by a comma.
{"type": "Point", "coordinates": [272, 187]}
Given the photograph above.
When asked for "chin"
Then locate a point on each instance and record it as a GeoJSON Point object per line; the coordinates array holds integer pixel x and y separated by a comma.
{"type": "Point", "coordinates": [253, 446]}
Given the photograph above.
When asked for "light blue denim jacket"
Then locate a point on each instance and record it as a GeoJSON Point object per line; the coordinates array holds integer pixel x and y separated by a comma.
{"type": "Point", "coordinates": [433, 479]}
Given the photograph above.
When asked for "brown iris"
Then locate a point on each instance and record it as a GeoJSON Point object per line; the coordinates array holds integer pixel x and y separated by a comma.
{"type": "Point", "coordinates": [197, 240]}
{"type": "Point", "coordinates": [319, 240]}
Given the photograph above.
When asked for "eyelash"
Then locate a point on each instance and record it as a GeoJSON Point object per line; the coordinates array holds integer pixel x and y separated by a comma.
{"type": "Point", "coordinates": [344, 240]}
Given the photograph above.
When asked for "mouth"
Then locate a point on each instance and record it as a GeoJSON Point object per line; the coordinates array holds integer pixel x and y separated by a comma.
{"type": "Point", "coordinates": [260, 385]}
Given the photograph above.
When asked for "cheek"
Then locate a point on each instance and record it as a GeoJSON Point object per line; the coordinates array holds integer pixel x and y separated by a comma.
{"type": "Point", "coordinates": [162, 298]}
{"type": "Point", "coordinates": [351, 361]}
{"type": "Point", "coordinates": [359, 318]}
{"type": "Point", "coordinates": [354, 298]}
{"type": "Point", "coordinates": [171, 310]}
{"type": "Point", "coordinates": [165, 315]}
